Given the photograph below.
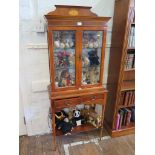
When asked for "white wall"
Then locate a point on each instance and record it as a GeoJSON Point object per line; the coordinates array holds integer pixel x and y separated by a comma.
{"type": "Point", "coordinates": [34, 71]}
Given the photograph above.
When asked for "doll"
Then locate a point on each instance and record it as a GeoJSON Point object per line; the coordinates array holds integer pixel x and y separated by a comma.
{"type": "Point", "coordinates": [71, 59]}
{"type": "Point", "coordinates": [57, 43]}
{"type": "Point", "coordinates": [86, 61]}
{"type": "Point", "coordinates": [91, 43]}
{"type": "Point", "coordinates": [93, 58]}
{"type": "Point", "coordinates": [66, 126]}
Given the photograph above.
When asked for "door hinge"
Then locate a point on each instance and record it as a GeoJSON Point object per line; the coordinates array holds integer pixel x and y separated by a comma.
{"type": "Point", "coordinates": [24, 121]}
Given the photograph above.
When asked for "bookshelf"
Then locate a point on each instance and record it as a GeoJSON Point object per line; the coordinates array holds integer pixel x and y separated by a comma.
{"type": "Point", "coordinates": [120, 109]}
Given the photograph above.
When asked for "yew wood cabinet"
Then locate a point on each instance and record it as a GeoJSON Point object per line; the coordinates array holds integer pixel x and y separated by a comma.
{"type": "Point", "coordinates": [76, 41]}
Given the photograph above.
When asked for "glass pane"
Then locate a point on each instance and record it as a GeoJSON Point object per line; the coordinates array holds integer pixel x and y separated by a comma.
{"type": "Point", "coordinates": [91, 57]}
{"type": "Point", "coordinates": [64, 58]}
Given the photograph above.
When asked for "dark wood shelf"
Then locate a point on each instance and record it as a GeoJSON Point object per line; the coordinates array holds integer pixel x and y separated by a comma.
{"type": "Point", "coordinates": [129, 75]}
{"type": "Point", "coordinates": [124, 130]}
{"type": "Point", "coordinates": [131, 48]}
{"type": "Point", "coordinates": [77, 129]}
{"type": "Point", "coordinates": [128, 85]}
{"type": "Point", "coordinates": [129, 70]}
{"type": "Point", "coordinates": [124, 106]}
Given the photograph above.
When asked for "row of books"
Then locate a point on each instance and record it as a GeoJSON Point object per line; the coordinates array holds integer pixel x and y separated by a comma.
{"type": "Point", "coordinates": [131, 38]}
{"type": "Point", "coordinates": [124, 117]}
{"type": "Point", "coordinates": [130, 61]}
{"type": "Point", "coordinates": [127, 98]}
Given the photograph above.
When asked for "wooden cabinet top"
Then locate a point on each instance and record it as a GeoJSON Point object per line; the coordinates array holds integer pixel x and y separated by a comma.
{"type": "Point", "coordinates": [63, 12]}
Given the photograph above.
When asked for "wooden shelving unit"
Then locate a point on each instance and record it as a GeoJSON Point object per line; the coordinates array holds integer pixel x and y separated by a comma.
{"type": "Point", "coordinates": [120, 79]}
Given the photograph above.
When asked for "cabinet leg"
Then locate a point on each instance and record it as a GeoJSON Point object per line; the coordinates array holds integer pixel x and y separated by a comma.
{"type": "Point", "coordinates": [101, 130]}
{"type": "Point", "coordinates": [53, 128]}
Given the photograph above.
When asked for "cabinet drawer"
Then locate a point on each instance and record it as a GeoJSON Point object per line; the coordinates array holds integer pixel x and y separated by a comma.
{"type": "Point", "coordinates": [67, 102]}
{"type": "Point", "coordinates": [92, 97]}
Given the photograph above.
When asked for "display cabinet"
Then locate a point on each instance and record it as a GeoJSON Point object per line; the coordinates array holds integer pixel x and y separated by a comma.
{"type": "Point", "coordinates": [76, 41]}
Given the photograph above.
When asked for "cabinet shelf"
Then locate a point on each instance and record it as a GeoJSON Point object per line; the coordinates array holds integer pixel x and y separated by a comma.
{"type": "Point", "coordinates": [130, 129]}
{"type": "Point", "coordinates": [125, 106]}
{"type": "Point", "coordinates": [129, 70]}
{"type": "Point", "coordinates": [129, 75]}
{"type": "Point", "coordinates": [77, 129]}
{"type": "Point", "coordinates": [128, 85]}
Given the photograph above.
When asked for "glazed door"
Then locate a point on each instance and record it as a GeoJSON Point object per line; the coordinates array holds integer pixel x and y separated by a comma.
{"type": "Point", "coordinates": [63, 47]}
{"type": "Point", "coordinates": [92, 57]}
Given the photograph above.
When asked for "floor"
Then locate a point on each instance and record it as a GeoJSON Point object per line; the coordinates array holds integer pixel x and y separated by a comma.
{"type": "Point", "coordinates": [79, 144]}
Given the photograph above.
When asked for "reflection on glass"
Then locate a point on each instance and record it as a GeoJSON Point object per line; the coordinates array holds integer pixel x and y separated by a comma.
{"type": "Point", "coordinates": [91, 57]}
{"type": "Point", "coordinates": [64, 58]}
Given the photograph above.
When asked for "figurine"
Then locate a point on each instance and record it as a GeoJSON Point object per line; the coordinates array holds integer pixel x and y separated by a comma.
{"type": "Point", "coordinates": [56, 84]}
{"type": "Point", "coordinates": [96, 45]}
{"type": "Point", "coordinates": [86, 40]}
{"type": "Point", "coordinates": [59, 116]}
{"type": "Point", "coordinates": [66, 126]}
{"type": "Point", "coordinates": [62, 45]}
{"type": "Point", "coordinates": [93, 58]}
{"type": "Point", "coordinates": [71, 44]}
{"type": "Point", "coordinates": [95, 119]}
{"type": "Point", "coordinates": [91, 43]}
{"type": "Point", "coordinates": [77, 118]}
{"type": "Point", "coordinates": [86, 61]}
{"type": "Point", "coordinates": [84, 78]}
{"type": "Point", "coordinates": [67, 43]}
{"type": "Point", "coordinates": [71, 59]}
{"type": "Point", "coordinates": [63, 59]}
{"type": "Point", "coordinates": [57, 43]}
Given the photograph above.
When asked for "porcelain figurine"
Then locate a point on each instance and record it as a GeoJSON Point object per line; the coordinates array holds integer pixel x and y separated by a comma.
{"type": "Point", "coordinates": [62, 45]}
{"type": "Point", "coordinates": [91, 45]}
{"type": "Point", "coordinates": [57, 44]}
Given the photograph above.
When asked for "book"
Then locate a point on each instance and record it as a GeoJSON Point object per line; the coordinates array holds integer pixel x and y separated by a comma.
{"type": "Point", "coordinates": [128, 117]}
{"type": "Point", "coordinates": [131, 38]}
{"type": "Point", "coordinates": [133, 98]}
{"type": "Point", "coordinates": [130, 60]}
{"type": "Point", "coordinates": [117, 121]}
{"type": "Point", "coordinates": [126, 100]}
{"type": "Point", "coordinates": [130, 97]}
{"type": "Point", "coordinates": [126, 61]}
{"type": "Point", "coordinates": [122, 98]}
{"type": "Point", "coordinates": [121, 112]}
{"type": "Point", "coordinates": [133, 114]}
{"type": "Point", "coordinates": [133, 64]}
{"type": "Point", "coordinates": [124, 117]}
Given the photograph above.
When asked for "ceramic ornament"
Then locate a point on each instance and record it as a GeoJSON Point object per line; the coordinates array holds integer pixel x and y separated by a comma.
{"type": "Point", "coordinates": [57, 44]}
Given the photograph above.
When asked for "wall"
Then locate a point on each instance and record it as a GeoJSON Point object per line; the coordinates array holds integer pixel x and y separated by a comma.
{"type": "Point", "coordinates": [34, 69]}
